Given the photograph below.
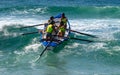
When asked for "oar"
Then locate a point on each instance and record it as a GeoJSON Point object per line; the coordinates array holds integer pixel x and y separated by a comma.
{"type": "Point", "coordinates": [84, 33]}
{"type": "Point", "coordinates": [43, 51]}
{"type": "Point", "coordinates": [81, 39]}
{"type": "Point", "coordinates": [36, 25]}
{"type": "Point", "coordinates": [32, 26]}
{"type": "Point", "coordinates": [30, 33]}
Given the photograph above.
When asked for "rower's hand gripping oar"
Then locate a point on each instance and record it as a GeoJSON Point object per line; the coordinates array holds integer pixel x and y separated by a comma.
{"type": "Point", "coordinates": [83, 33]}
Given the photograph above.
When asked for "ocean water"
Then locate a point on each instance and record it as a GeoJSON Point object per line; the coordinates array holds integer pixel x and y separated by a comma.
{"type": "Point", "coordinates": [96, 17]}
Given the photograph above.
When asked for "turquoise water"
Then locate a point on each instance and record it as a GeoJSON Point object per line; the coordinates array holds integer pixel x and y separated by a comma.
{"type": "Point", "coordinates": [96, 17]}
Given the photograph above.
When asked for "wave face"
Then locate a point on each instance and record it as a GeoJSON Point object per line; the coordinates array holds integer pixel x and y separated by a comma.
{"type": "Point", "coordinates": [96, 17]}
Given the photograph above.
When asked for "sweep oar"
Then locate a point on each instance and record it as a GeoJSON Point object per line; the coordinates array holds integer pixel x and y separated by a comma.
{"type": "Point", "coordinates": [81, 39]}
{"type": "Point", "coordinates": [83, 33]}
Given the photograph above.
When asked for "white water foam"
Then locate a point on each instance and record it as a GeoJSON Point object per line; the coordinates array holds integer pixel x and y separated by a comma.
{"type": "Point", "coordinates": [103, 28]}
{"type": "Point", "coordinates": [34, 46]}
{"type": "Point", "coordinates": [20, 21]}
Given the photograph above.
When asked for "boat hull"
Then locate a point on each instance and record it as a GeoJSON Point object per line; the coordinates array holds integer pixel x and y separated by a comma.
{"type": "Point", "coordinates": [57, 41]}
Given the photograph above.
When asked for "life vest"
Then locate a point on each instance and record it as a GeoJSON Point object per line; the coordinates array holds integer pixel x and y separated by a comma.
{"type": "Point", "coordinates": [62, 29]}
{"type": "Point", "coordinates": [49, 28]}
{"type": "Point", "coordinates": [64, 20]}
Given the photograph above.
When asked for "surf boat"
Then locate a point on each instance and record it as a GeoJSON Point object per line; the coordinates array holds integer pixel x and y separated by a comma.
{"type": "Point", "coordinates": [56, 41]}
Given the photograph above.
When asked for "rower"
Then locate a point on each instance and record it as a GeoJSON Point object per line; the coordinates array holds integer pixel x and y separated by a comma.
{"type": "Point", "coordinates": [49, 21]}
{"type": "Point", "coordinates": [64, 20]}
{"type": "Point", "coordinates": [45, 26]}
{"type": "Point", "coordinates": [49, 30]}
{"type": "Point", "coordinates": [61, 31]}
